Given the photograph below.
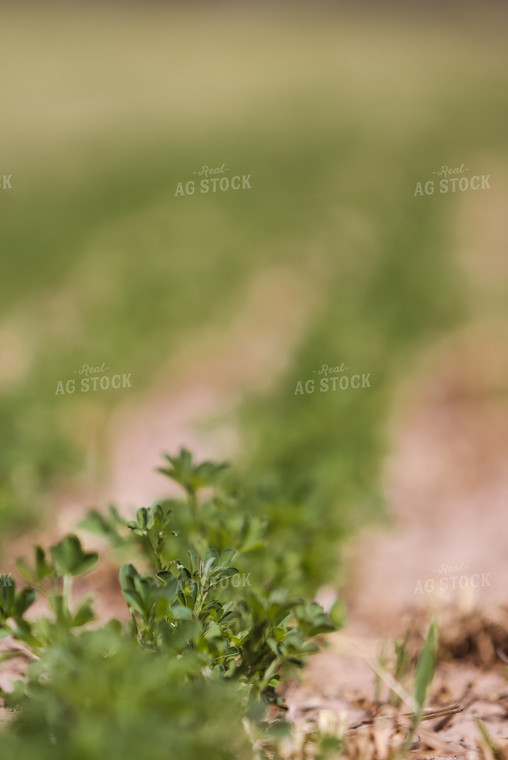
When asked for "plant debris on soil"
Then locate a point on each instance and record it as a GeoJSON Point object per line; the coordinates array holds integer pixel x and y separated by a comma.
{"type": "Point", "coordinates": [470, 684]}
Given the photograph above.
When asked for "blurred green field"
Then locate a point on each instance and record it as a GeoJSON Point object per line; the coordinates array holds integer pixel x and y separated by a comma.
{"type": "Point", "coordinates": [336, 118]}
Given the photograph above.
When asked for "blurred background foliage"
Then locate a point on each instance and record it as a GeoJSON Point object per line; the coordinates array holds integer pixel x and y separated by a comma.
{"type": "Point", "coordinates": [336, 115]}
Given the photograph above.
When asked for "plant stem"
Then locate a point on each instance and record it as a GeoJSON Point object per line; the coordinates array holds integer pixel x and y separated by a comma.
{"type": "Point", "coordinates": [67, 588]}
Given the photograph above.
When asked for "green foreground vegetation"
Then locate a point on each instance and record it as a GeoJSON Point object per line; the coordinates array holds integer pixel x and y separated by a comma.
{"type": "Point", "coordinates": [197, 666]}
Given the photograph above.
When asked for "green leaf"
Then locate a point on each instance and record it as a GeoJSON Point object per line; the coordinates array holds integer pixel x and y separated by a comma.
{"type": "Point", "coordinates": [223, 572]}
{"type": "Point", "coordinates": [229, 617]}
{"type": "Point", "coordinates": [338, 614]}
{"type": "Point", "coordinates": [42, 568]}
{"type": "Point", "coordinates": [7, 594]}
{"type": "Point", "coordinates": [190, 476]}
{"type": "Point", "coordinates": [24, 600]}
{"type": "Point", "coordinates": [24, 570]}
{"type": "Point", "coordinates": [426, 665]}
{"type": "Point", "coordinates": [6, 579]}
{"type": "Point", "coordinates": [133, 600]}
{"type": "Point", "coordinates": [186, 630]}
{"type": "Point", "coordinates": [69, 557]}
{"type": "Point", "coordinates": [127, 575]}
{"type": "Point", "coordinates": [227, 557]}
{"type": "Point", "coordinates": [181, 613]}
{"type": "Point", "coordinates": [211, 553]}
{"type": "Point", "coordinates": [96, 523]}
{"type": "Point", "coordinates": [88, 561]}
{"type": "Point", "coordinates": [213, 632]}
{"type": "Point", "coordinates": [84, 614]}
{"type": "Point", "coordinates": [194, 561]}
{"type": "Point", "coordinates": [165, 575]}
{"type": "Point", "coordinates": [230, 652]}
{"type": "Point", "coordinates": [170, 590]}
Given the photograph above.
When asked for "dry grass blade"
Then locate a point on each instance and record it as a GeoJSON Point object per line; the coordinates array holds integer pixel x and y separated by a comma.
{"type": "Point", "coordinates": [428, 715]}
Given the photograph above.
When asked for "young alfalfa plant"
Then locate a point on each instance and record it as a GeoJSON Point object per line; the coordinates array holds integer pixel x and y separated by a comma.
{"type": "Point", "coordinates": [196, 650]}
{"type": "Point", "coordinates": [251, 635]}
{"type": "Point", "coordinates": [219, 519]}
{"type": "Point", "coordinates": [102, 695]}
{"type": "Point", "coordinates": [52, 578]}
